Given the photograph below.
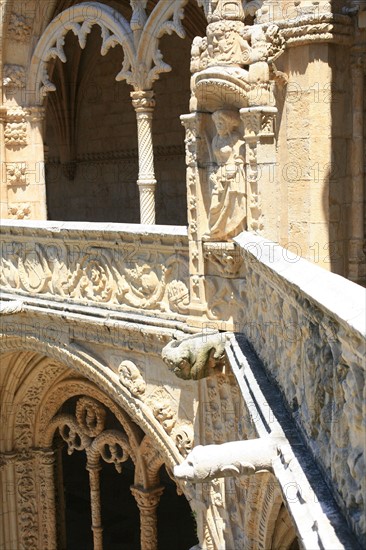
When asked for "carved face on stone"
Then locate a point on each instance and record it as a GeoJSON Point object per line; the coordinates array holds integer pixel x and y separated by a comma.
{"type": "Point", "coordinates": [225, 122]}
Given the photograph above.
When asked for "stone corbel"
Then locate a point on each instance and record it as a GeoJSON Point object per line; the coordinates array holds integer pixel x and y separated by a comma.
{"type": "Point", "coordinates": [144, 103]}
{"type": "Point", "coordinates": [258, 130]}
{"type": "Point", "coordinates": [235, 458]}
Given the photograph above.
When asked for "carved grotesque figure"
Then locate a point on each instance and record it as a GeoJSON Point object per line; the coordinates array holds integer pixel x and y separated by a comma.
{"type": "Point", "coordinates": [196, 357]}
{"type": "Point", "coordinates": [228, 198]}
{"type": "Point", "coordinates": [235, 458]}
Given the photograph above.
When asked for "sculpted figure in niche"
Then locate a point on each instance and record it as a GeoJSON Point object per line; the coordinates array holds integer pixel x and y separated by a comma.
{"type": "Point", "coordinates": [226, 216]}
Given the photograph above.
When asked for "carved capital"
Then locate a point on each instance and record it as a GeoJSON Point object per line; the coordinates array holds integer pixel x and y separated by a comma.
{"type": "Point", "coordinates": [147, 499]}
{"type": "Point", "coordinates": [143, 101]}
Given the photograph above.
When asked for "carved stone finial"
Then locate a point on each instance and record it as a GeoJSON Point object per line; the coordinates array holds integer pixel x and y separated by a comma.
{"type": "Point", "coordinates": [196, 357]}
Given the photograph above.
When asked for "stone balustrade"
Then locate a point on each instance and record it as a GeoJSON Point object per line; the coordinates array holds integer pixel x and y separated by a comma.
{"type": "Point", "coordinates": [308, 328]}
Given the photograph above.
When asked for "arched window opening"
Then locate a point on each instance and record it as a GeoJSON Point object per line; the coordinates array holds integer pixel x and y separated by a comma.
{"type": "Point", "coordinates": [93, 155]}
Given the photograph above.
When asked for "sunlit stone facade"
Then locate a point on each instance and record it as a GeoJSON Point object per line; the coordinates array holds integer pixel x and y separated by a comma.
{"type": "Point", "coordinates": [182, 274]}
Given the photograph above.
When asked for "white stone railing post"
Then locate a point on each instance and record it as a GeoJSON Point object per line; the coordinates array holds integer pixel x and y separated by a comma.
{"type": "Point", "coordinates": [147, 501]}
{"type": "Point", "coordinates": [144, 103]}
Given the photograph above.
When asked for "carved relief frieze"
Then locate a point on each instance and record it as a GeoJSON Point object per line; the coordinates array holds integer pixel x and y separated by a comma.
{"type": "Point", "coordinates": [226, 257]}
{"type": "Point", "coordinates": [230, 42]}
{"type": "Point", "coordinates": [13, 76]}
{"type": "Point", "coordinates": [258, 125]}
{"type": "Point", "coordinates": [16, 174]}
{"type": "Point", "coordinates": [131, 378]}
{"type": "Point", "coordinates": [19, 27]}
{"type": "Point", "coordinates": [151, 279]}
{"type": "Point", "coordinates": [225, 298]}
{"type": "Point", "coordinates": [20, 211]}
{"type": "Point", "coordinates": [15, 132]}
{"type": "Point", "coordinates": [26, 495]}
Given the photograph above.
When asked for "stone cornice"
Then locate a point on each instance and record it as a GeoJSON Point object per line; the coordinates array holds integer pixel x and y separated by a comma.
{"type": "Point", "coordinates": [308, 28]}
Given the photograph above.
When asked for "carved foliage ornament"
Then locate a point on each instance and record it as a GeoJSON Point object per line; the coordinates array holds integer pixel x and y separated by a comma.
{"type": "Point", "coordinates": [151, 281]}
{"type": "Point", "coordinates": [16, 174]}
{"type": "Point", "coordinates": [15, 133]}
{"type": "Point", "coordinates": [231, 43]}
{"type": "Point", "coordinates": [139, 38]}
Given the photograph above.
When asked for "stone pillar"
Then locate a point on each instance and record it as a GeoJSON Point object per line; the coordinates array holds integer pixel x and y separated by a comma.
{"type": "Point", "coordinates": [260, 162]}
{"type": "Point", "coordinates": [144, 104]}
{"type": "Point", "coordinates": [46, 461]}
{"type": "Point", "coordinates": [9, 531]}
{"type": "Point", "coordinates": [94, 484]}
{"type": "Point", "coordinates": [195, 144]}
{"type": "Point", "coordinates": [356, 256]}
{"type": "Point", "coordinates": [23, 176]}
{"type": "Point", "coordinates": [3, 173]}
{"type": "Point", "coordinates": [148, 500]}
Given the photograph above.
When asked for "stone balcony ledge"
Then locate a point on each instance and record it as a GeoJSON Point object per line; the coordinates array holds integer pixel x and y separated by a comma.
{"type": "Point", "coordinates": [121, 267]}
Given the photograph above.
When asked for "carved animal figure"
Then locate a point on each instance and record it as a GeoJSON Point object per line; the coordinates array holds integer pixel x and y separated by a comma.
{"type": "Point", "coordinates": [197, 356]}
{"type": "Point", "coordinates": [235, 458]}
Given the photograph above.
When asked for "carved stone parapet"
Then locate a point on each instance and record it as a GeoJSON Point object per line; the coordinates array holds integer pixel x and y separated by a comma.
{"type": "Point", "coordinates": [226, 257]}
{"type": "Point", "coordinates": [121, 270]}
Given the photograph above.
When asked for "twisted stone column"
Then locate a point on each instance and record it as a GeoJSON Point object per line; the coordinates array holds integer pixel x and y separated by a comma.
{"type": "Point", "coordinates": [94, 469]}
{"type": "Point", "coordinates": [144, 104]}
{"type": "Point", "coordinates": [147, 500]}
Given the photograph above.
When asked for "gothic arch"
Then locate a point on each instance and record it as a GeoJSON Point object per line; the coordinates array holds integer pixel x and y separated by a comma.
{"type": "Point", "coordinates": [31, 414]}
{"type": "Point", "coordinates": [105, 380]}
